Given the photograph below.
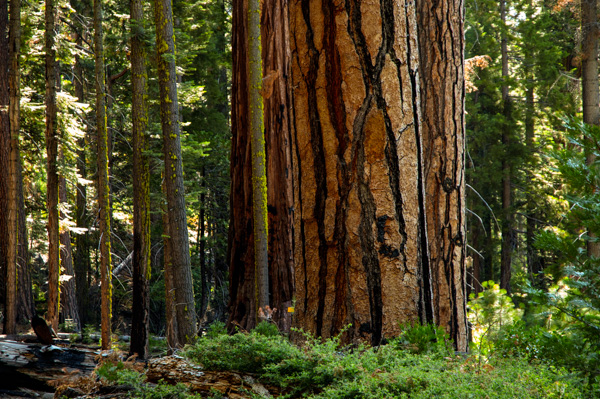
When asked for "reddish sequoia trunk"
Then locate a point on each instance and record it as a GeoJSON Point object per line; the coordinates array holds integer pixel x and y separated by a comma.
{"type": "Point", "coordinates": [361, 245]}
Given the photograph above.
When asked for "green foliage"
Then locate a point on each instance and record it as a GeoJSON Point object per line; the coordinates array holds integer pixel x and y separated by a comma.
{"type": "Point", "coordinates": [118, 373]}
{"type": "Point", "coordinates": [324, 369]}
{"type": "Point", "coordinates": [427, 338]}
{"type": "Point", "coordinates": [165, 391]}
{"type": "Point", "coordinates": [247, 352]}
{"type": "Point", "coordinates": [86, 334]}
{"type": "Point", "coordinates": [267, 328]}
{"type": "Point", "coordinates": [573, 303]}
{"type": "Point", "coordinates": [488, 313]}
{"type": "Point", "coordinates": [216, 329]}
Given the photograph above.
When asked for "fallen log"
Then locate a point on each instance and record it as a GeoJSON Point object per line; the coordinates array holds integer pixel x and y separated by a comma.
{"type": "Point", "coordinates": [35, 366]}
{"type": "Point", "coordinates": [175, 369]}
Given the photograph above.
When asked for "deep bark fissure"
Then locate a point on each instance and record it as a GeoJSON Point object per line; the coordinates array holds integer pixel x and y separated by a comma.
{"type": "Point", "coordinates": [426, 294]}
{"type": "Point", "coordinates": [319, 165]}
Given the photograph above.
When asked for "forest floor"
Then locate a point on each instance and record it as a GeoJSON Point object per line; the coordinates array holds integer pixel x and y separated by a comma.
{"type": "Point", "coordinates": [65, 369]}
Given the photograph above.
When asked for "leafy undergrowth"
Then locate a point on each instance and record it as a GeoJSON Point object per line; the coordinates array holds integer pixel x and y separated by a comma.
{"type": "Point", "coordinates": [418, 364]}
{"type": "Point", "coordinates": [404, 368]}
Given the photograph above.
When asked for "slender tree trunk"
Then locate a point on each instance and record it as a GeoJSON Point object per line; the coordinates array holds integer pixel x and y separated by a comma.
{"type": "Point", "coordinates": [259, 159]}
{"type": "Point", "coordinates": [70, 309]}
{"type": "Point", "coordinates": [24, 294]}
{"type": "Point", "coordinates": [589, 84]}
{"type": "Point", "coordinates": [507, 224]}
{"type": "Point", "coordinates": [103, 184]}
{"type": "Point", "coordinates": [361, 239]}
{"type": "Point", "coordinates": [441, 49]}
{"type": "Point", "coordinates": [180, 266]}
{"type": "Point", "coordinates": [4, 154]}
{"type": "Point", "coordinates": [8, 189]}
{"type": "Point", "coordinates": [141, 187]}
{"type": "Point", "coordinates": [52, 168]}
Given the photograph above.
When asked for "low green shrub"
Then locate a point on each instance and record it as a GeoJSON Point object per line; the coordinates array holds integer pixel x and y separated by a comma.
{"type": "Point", "coordinates": [427, 338]}
{"type": "Point", "coordinates": [246, 352]}
{"type": "Point", "coordinates": [118, 372]}
{"type": "Point", "coordinates": [165, 391]}
{"type": "Point", "coordinates": [325, 369]}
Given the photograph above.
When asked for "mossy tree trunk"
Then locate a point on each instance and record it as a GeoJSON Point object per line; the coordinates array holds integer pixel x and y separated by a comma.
{"type": "Point", "coordinates": [360, 236]}
{"type": "Point", "coordinates": [103, 183]}
{"type": "Point", "coordinates": [52, 167]}
{"type": "Point", "coordinates": [180, 265]}
{"type": "Point", "coordinates": [441, 49]}
{"type": "Point", "coordinates": [259, 158]}
{"type": "Point", "coordinates": [141, 186]}
{"type": "Point", "coordinates": [277, 127]}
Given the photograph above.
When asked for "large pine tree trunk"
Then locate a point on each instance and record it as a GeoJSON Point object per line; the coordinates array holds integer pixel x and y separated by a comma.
{"type": "Point", "coordinates": [277, 119]}
{"type": "Point", "coordinates": [361, 239]}
{"type": "Point", "coordinates": [103, 184]}
{"type": "Point", "coordinates": [441, 48]}
{"type": "Point", "coordinates": [52, 167]}
{"type": "Point", "coordinates": [180, 266]}
{"type": "Point", "coordinates": [141, 188]}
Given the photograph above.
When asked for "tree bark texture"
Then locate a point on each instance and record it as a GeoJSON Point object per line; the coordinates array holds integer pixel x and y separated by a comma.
{"type": "Point", "coordinates": [141, 187]}
{"type": "Point", "coordinates": [8, 192]}
{"type": "Point", "coordinates": [24, 300]}
{"type": "Point", "coordinates": [52, 168]}
{"type": "Point", "coordinates": [70, 309]}
{"type": "Point", "coordinates": [589, 83]}
{"type": "Point", "coordinates": [103, 184]}
{"type": "Point", "coordinates": [277, 119]}
{"type": "Point", "coordinates": [171, 317]}
{"type": "Point", "coordinates": [361, 240]}
{"type": "Point", "coordinates": [178, 231]}
{"type": "Point", "coordinates": [259, 158]}
{"type": "Point", "coordinates": [441, 49]}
